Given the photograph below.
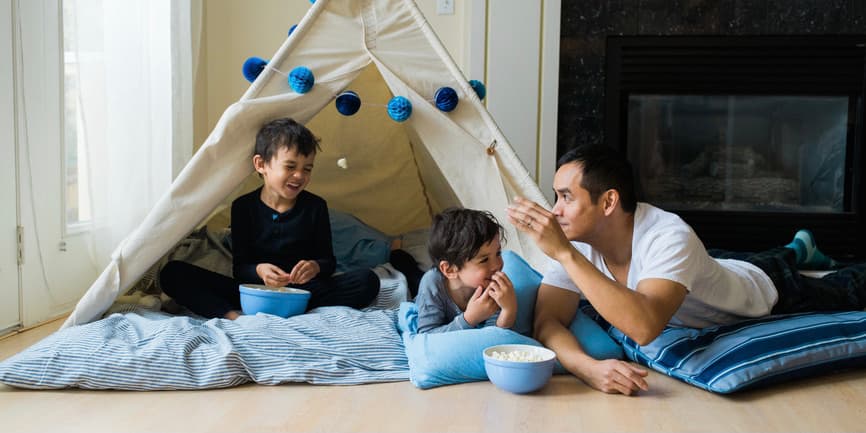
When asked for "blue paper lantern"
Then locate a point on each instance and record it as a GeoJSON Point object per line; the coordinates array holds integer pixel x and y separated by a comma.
{"type": "Point", "coordinates": [253, 67]}
{"type": "Point", "coordinates": [446, 99]}
{"type": "Point", "coordinates": [479, 88]}
{"type": "Point", "coordinates": [348, 103]}
{"type": "Point", "coordinates": [399, 108]}
{"type": "Point", "coordinates": [301, 79]}
{"type": "Point", "coordinates": [292, 28]}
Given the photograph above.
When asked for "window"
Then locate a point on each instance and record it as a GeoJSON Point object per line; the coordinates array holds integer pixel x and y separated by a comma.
{"type": "Point", "coordinates": [82, 48]}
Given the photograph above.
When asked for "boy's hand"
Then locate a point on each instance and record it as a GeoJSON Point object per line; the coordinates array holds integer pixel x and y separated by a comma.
{"type": "Point", "coordinates": [501, 290]}
{"type": "Point", "coordinates": [304, 271]}
{"type": "Point", "coordinates": [272, 275]}
{"type": "Point", "coordinates": [480, 307]}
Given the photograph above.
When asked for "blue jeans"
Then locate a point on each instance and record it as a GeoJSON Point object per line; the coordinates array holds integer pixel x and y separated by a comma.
{"type": "Point", "coordinates": [841, 290]}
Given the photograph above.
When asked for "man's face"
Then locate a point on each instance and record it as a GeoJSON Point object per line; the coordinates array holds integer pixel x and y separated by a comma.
{"type": "Point", "coordinates": [574, 210]}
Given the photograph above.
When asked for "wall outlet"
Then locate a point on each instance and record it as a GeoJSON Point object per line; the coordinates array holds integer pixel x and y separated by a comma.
{"type": "Point", "coordinates": [445, 7]}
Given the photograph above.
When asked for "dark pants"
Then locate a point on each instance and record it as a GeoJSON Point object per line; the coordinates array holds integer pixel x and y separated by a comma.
{"type": "Point", "coordinates": [841, 290]}
{"type": "Point", "coordinates": [210, 294]}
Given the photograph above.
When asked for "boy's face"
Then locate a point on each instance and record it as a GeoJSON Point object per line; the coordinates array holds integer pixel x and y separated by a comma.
{"type": "Point", "coordinates": [478, 270]}
{"type": "Point", "coordinates": [287, 173]}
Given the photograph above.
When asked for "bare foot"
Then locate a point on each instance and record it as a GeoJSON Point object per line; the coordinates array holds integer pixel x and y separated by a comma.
{"type": "Point", "coordinates": [396, 244]}
{"type": "Point", "coordinates": [232, 315]}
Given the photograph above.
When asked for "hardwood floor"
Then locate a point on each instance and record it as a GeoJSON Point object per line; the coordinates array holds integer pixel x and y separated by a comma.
{"type": "Point", "coordinates": [827, 403]}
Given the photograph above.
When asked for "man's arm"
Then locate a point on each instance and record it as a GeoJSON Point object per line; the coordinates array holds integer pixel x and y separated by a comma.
{"type": "Point", "coordinates": [642, 314]}
{"type": "Point", "coordinates": [554, 310]}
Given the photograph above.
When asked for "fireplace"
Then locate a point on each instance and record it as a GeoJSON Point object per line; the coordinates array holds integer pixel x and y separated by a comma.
{"type": "Point", "coordinates": [748, 138]}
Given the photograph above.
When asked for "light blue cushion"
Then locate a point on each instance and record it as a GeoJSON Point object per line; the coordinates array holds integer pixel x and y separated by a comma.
{"type": "Point", "coordinates": [725, 359]}
{"type": "Point", "coordinates": [437, 359]}
{"type": "Point", "coordinates": [594, 340]}
{"type": "Point", "coordinates": [526, 281]}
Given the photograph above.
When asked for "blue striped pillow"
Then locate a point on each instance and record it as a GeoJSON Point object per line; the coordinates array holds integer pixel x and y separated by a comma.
{"type": "Point", "coordinates": [725, 359]}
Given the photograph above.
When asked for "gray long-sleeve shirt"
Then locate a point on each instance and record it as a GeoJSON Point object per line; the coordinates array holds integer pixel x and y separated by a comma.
{"type": "Point", "coordinates": [437, 312]}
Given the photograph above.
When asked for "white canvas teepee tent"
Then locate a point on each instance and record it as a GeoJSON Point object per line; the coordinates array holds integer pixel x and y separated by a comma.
{"type": "Point", "coordinates": [398, 174]}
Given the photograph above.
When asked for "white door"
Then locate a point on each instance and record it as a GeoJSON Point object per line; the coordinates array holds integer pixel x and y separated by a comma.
{"type": "Point", "coordinates": [56, 267]}
{"type": "Point", "coordinates": [10, 317]}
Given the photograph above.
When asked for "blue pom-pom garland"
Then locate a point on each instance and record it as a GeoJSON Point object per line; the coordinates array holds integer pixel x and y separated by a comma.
{"type": "Point", "coordinates": [446, 99]}
{"type": "Point", "coordinates": [479, 88]}
{"type": "Point", "coordinates": [253, 67]}
{"type": "Point", "coordinates": [399, 108]}
{"type": "Point", "coordinates": [301, 79]}
{"type": "Point", "coordinates": [348, 103]}
{"type": "Point", "coordinates": [292, 28]}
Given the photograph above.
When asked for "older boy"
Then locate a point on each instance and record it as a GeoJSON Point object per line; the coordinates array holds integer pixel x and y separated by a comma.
{"type": "Point", "coordinates": [281, 236]}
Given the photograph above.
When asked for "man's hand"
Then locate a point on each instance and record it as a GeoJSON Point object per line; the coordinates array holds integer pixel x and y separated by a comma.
{"type": "Point", "coordinates": [555, 309]}
{"type": "Point", "coordinates": [304, 271]}
{"type": "Point", "coordinates": [480, 307]}
{"type": "Point", "coordinates": [272, 275]}
{"type": "Point", "coordinates": [539, 223]}
{"type": "Point", "coordinates": [615, 377]}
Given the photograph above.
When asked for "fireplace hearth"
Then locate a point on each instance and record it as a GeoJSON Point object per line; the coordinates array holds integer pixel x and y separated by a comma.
{"type": "Point", "coordinates": [748, 138]}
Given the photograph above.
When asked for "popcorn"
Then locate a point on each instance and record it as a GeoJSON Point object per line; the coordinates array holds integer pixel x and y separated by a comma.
{"type": "Point", "coordinates": [517, 355]}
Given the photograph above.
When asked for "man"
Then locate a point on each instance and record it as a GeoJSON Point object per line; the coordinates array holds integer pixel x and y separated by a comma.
{"type": "Point", "coordinates": [643, 268]}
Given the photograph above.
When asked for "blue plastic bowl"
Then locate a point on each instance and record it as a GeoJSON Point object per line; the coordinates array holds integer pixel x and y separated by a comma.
{"type": "Point", "coordinates": [279, 301]}
{"type": "Point", "coordinates": [519, 377]}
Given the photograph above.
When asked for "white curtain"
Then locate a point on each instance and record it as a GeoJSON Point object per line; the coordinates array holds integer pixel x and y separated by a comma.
{"type": "Point", "coordinates": [136, 63]}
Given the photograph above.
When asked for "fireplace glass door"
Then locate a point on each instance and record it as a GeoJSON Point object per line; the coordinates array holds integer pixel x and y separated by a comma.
{"type": "Point", "coordinates": [740, 152]}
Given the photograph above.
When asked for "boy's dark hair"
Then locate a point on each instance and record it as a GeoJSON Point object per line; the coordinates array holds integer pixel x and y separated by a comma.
{"type": "Point", "coordinates": [458, 233]}
{"type": "Point", "coordinates": [603, 168]}
{"type": "Point", "coordinates": [285, 132]}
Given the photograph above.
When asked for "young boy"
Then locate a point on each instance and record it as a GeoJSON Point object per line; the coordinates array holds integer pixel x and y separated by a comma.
{"type": "Point", "coordinates": [281, 236]}
{"type": "Point", "coordinates": [466, 287]}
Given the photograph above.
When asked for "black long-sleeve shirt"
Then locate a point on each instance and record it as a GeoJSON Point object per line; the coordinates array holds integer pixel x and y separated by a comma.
{"type": "Point", "coordinates": [263, 235]}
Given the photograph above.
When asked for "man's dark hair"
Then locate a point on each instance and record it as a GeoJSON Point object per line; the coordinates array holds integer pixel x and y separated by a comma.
{"type": "Point", "coordinates": [285, 132]}
{"type": "Point", "coordinates": [458, 233]}
{"type": "Point", "coordinates": [603, 168]}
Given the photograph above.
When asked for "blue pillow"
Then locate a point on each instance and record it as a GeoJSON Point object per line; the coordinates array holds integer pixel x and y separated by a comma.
{"type": "Point", "coordinates": [437, 359]}
{"type": "Point", "coordinates": [725, 359]}
{"type": "Point", "coordinates": [446, 358]}
{"type": "Point", "coordinates": [526, 280]}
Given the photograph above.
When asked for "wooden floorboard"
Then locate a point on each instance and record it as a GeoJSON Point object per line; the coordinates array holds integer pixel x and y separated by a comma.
{"type": "Point", "coordinates": [828, 403]}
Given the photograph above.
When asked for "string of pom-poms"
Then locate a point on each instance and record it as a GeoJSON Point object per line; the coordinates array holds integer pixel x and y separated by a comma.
{"type": "Point", "coordinates": [301, 79]}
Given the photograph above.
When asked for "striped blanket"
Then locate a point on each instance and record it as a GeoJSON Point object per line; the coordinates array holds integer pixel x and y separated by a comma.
{"type": "Point", "coordinates": [145, 350]}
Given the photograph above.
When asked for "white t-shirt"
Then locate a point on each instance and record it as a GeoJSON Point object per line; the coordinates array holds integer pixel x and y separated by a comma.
{"type": "Point", "coordinates": [720, 291]}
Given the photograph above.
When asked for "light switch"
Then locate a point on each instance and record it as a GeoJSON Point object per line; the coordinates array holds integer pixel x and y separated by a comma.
{"type": "Point", "coordinates": [445, 7]}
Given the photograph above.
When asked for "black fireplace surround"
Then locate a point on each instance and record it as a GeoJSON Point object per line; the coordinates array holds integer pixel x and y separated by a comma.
{"type": "Point", "coordinates": [666, 75]}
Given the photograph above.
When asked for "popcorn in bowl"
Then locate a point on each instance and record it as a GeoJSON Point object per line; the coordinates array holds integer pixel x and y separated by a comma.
{"type": "Point", "coordinates": [518, 368]}
{"type": "Point", "coordinates": [517, 356]}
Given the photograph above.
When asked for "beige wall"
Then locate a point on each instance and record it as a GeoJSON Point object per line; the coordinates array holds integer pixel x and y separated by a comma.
{"type": "Point", "coordinates": [235, 30]}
